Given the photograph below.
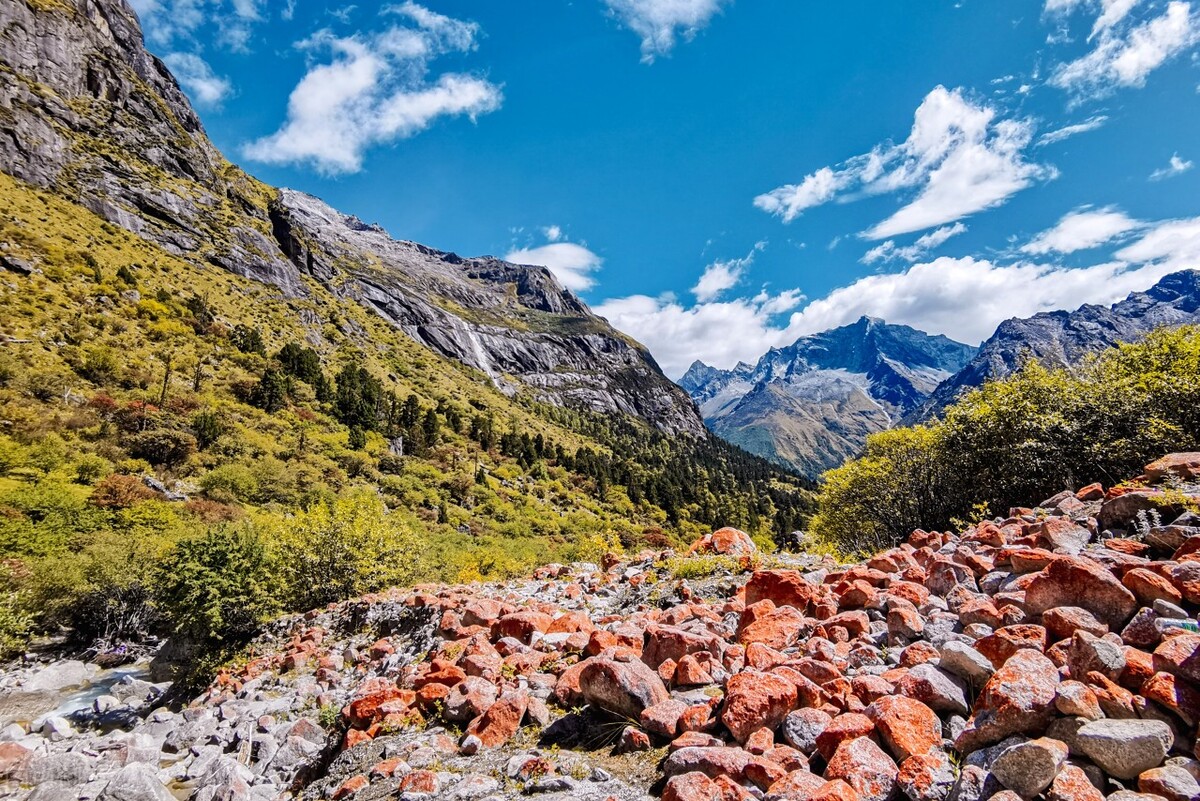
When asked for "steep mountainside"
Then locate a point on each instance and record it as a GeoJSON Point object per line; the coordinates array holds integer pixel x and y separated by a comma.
{"type": "Point", "coordinates": [812, 404]}
{"type": "Point", "coordinates": [187, 354]}
{"type": "Point", "coordinates": [87, 111]}
{"type": "Point", "coordinates": [1061, 338]}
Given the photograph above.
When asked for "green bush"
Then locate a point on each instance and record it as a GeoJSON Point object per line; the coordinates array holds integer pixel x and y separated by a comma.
{"type": "Point", "coordinates": [217, 589]}
{"type": "Point", "coordinates": [1019, 440]}
{"type": "Point", "coordinates": [230, 482]}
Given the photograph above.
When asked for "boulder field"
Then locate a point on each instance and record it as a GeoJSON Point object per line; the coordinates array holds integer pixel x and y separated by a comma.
{"type": "Point", "coordinates": [1049, 654]}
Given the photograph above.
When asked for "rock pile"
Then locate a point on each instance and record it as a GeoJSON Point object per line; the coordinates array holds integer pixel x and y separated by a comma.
{"type": "Point", "coordinates": [1050, 654]}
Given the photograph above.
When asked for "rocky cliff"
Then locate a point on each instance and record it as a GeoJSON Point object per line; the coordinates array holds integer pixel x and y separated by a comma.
{"type": "Point", "coordinates": [812, 404]}
{"type": "Point", "coordinates": [86, 111]}
{"type": "Point", "coordinates": [1061, 338]}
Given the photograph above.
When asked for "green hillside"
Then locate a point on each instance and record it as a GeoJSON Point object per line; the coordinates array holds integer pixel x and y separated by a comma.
{"type": "Point", "coordinates": [119, 361]}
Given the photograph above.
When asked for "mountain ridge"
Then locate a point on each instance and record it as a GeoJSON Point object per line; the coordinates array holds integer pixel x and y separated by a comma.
{"type": "Point", "coordinates": [1062, 337]}
{"type": "Point", "coordinates": [106, 124]}
{"type": "Point", "coordinates": [811, 404]}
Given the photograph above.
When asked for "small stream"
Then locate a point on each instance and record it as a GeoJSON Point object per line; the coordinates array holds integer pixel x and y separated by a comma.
{"type": "Point", "coordinates": [22, 706]}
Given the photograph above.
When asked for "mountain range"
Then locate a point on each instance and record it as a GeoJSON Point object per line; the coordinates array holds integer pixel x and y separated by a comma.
{"type": "Point", "coordinates": [812, 405]}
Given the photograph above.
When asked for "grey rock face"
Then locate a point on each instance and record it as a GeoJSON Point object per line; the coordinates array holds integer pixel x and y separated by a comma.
{"type": "Point", "coordinates": [94, 117]}
{"type": "Point", "coordinates": [1125, 748]}
{"type": "Point", "coordinates": [812, 404]}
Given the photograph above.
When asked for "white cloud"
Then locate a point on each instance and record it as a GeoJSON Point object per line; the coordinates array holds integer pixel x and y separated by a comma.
{"type": "Point", "coordinates": [1082, 229]}
{"type": "Point", "coordinates": [1176, 166]}
{"type": "Point", "coordinates": [553, 233]}
{"type": "Point", "coordinates": [1174, 244]}
{"type": "Point", "coordinates": [889, 251]}
{"type": "Point", "coordinates": [659, 22]}
{"type": "Point", "coordinates": [718, 277]}
{"type": "Point", "coordinates": [959, 159]}
{"type": "Point", "coordinates": [571, 264]}
{"type": "Point", "coordinates": [722, 275]}
{"type": "Point", "coordinates": [197, 78]}
{"type": "Point", "coordinates": [967, 298]}
{"type": "Point", "coordinates": [1125, 55]}
{"type": "Point", "coordinates": [375, 90]}
{"type": "Point", "coordinates": [1067, 131]}
{"type": "Point", "coordinates": [720, 333]}
{"type": "Point", "coordinates": [1111, 12]}
{"type": "Point", "coordinates": [963, 298]}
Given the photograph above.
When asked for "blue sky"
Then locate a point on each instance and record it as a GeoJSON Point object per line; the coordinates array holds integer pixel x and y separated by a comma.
{"type": "Point", "coordinates": [721, 176]}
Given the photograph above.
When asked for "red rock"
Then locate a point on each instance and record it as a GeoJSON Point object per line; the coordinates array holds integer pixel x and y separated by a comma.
{"type": "Point", "coordinates": [1180, 656]}
{"type": "Point", "coordinates": [13, 760]}
{"type": "Point", "coordinates": [387, 768]}
{"type": "Point", "coordinates": [1064, 621]}
{"type": "Point", "coordinates": [1181, 465]}
{"type": "Point", "coordinates": [1072, 784]}
{"type": "Point", "coordinates": [1150, 587]}
{"type": "Point", "coordinates": [782, 587]}
{"type": "Point", "coordinates": [669, 642]}
{"type": "Point", "coordinates": [864, 766]}
{"type": "Point", "coordinates": [1002, 644]}
{"type": "Point", "coordinates": [351, 786]}
{"type": "Point", "coordinates": [663, 718]}
{"type": "Point", "coordinates": [481, 612]}
{"type": "Point", "coordinates": [725, 541]}
{"type": "Point", "coordinates": [712, 762]}
{"type": "Point", "coordinates": [926, 776]}
{"type": "Point", "coordinates": [796, 785]}
{"type": "Point", "coordinates": [469, 699]}
{"type": "Point", "coordinates": [1078, 581]}
{"type": "Point", "coordinates": [623, 688]}
{"type": "Point", "coordinates": [760, 741]}
{"type": "Point", "coordinates": [764, 657]}
{"type": "Point", "coordinates": [380, 649]}
{"type": "Point", "coordinates": [907, 727]}
{"type": "Point", "coordinates": [776, 628]}
{"type": "Point", "coordinates": [691, 787]}
{"type": "Point", "coordinates": [980, 610]}
{"type": "Point", "coordinates": [843, 728]}
{"type": "Point", "coordinates": [1176, 694]}
{"type": "Point", "coordinates": [1017, 699]}
{"type": "Point", "coordinates": [763, 773]}
{"type": "Point", "coordinates": [420, 781]}
{"type": "Point", "coordinates": [696, 718]}
{"type": "Point", "coordinates": [522, 625]}
{"type": "Point", "coordinates": [755, 700]}
{"type": "Point", "coordinates": [1092, 492]}
{"type": "Point", "coordinates": [570, 623]}
{"type": "Point", "coordinates": [918, 653]}
{"type": "Point", "coordinates": [1128, 547]}
{"type": "Point", "coordinates": [432, 694]}
{"type": "Point", "coordinates": [871, 688]}
{"type": "Point", "coordinates": [632, 740]}
{"type": "Point", "coordinates": [501, 721]}
{"type": "Point", "coordinates": [694, 739]}
{"type": "Point", "coordinates": [354, 737]}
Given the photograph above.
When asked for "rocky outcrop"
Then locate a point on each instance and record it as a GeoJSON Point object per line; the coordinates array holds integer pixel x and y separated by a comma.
{"type": "Point", "coordinates": [1061, 338]}
{"type": "Point", "coordinates": [1008, 660]}
{"type": "Point", "coordinates": [87, 112]}
{"type": "Point", "coordinates": [513, 323]}
{"type": "Point", "coordinates": [812, 404]}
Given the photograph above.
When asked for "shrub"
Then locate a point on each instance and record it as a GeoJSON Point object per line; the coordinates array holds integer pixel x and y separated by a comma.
{"type": "Point", "coordinates": [217, 589]}
{"type": "Point", "coordinates": [119, 491]}
{"type": "Point", "coordinates": [230, 482]}
{"type": "Point", "coordinates": [1021, 439]}
{"type": "Point", "coordinates": [89, 468]}
{"type": "Point", "coordinates": [162, 446]}
{"type": "Point", "coordinates": [342, 548]}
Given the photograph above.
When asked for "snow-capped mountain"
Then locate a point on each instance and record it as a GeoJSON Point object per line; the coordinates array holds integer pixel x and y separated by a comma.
{"type": "Point", "coordinates": [812, 404]}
